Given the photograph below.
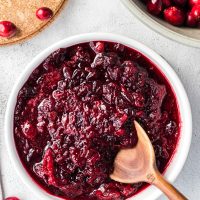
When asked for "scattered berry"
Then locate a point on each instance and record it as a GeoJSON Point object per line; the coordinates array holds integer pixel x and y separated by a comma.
{"type": "Point", "coordinates": [44, 13]}
{"type": "Point", "coordinates": [7, 29]}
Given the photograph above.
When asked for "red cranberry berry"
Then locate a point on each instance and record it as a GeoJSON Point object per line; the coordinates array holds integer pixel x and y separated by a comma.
{"type": "Point", "coordinates": [174, 16]}
{"type": "Point", "coordinates": [195, 12]}
{"type": "Point", "coordinates": [180, 3]}
{"type": "Point", "coordinates": [154, 7]}
{"type": "Point", "coordinates": [12, 198]}
{"type": "Point", "coordinates": [7, 29]}
{"type": "Point", "coordinates": [191, 20]}
{"type": "Point", "coordinates": [193, 3]}
{"type": "Point", "coordinates": [44, 13]}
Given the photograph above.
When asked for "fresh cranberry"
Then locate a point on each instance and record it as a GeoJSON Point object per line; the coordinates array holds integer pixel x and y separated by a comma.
{"type": "Point", "coordinates": [180, 3]}
{"type": "Point", "coordinates": [44, 13]}
{"type": "Point", "coordinates": [195, 12]}
{"type": "Point", "coordinates": [191, 20]}
{"type": "Point", "coordinates": [12, 198]}
{"type": "Point", "coordinates": [7, 29]}
{"type": "Point", "coordinates": [154, 7]}
{"type": "Point", "coordinates": [192, 3]}
{"type": "Point", "coordinates": [174, 16]}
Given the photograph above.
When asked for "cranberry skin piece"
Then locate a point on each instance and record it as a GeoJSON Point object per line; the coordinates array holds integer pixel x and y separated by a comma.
{"type": "Point", "coordinates": [7, 29]}
{"type": "Point", "coordinates": [192, 3]}
{"type": "Point", "coordinates": [191, 20]}
{"type": "Point", "coordinates": [195, 12]}
{"type": "Point", "coordinates": [180, 3]}
{"type": "Point", "coordinates": [154, 7]}
{"type": "Point", "coordinates": [174, 16]}
{"type": "Point", "coordinates": [44, 13]}
{"type": "Point", "coordinates": [12, 198]}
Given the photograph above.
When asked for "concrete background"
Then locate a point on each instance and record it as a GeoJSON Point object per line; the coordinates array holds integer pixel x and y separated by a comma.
{"type": "Point", "coordinates": [106, 16]}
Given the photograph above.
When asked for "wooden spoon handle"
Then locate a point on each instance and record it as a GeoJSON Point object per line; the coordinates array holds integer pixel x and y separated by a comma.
{"type": "Point", "coordinates": [171, 192]}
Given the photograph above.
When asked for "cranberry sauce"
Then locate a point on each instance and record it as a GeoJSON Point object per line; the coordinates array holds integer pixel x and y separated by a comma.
{"type": "Point", "coordinates": [76, 111]}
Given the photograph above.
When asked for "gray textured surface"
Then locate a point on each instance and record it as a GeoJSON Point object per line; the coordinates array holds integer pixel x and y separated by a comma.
{"type": "Point", "coordinates": [106, 16]}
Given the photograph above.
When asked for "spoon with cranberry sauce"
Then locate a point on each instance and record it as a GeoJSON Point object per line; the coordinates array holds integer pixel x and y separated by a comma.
{"type": "Point", "coordinates": [138, 164]}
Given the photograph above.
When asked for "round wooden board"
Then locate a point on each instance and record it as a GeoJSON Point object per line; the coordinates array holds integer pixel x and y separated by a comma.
{"type": "Point", "coordinates": [22, 14]}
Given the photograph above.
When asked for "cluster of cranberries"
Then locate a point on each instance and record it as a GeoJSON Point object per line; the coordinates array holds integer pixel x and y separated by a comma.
{"type": "Point", "coordinates": [76, 112]}
{"type": "Point", "coordinates": [176, 12]}
{"type": "Point", "coordinates": [8, 29]}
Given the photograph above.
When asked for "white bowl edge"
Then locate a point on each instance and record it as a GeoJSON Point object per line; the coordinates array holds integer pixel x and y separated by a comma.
{"type": "Point", "coordinates": [151, 193]}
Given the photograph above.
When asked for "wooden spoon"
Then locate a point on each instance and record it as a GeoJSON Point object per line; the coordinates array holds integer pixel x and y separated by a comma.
{"type": "Point", "coordinates": [138, 164]}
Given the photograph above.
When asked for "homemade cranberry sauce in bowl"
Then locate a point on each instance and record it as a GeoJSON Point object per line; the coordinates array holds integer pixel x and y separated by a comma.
{"type": "Point", "coordinates": [74, 110]}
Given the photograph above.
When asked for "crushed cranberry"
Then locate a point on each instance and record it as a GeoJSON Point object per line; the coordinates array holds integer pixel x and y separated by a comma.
{"type": "Point", "coordinates": [76, 111]}
{"type": "Point", "coordinates": [176, 12]}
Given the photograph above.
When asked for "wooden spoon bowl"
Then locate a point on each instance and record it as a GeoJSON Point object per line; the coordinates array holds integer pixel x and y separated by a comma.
{"type": "Point", "coordinates": [138, 164]}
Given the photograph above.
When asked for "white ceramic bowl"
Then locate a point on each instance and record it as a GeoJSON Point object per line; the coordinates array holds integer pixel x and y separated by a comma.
{"type": "Point", "coordinates": [185, 35]}
{"type": "Point", "coordinates": [179, 157]}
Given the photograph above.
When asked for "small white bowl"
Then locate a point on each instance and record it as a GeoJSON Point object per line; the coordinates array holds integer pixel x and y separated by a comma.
{"type": "Point", "coordinates": [178, 160]}
{"type": "Point", "coordinates": [184, 35]}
